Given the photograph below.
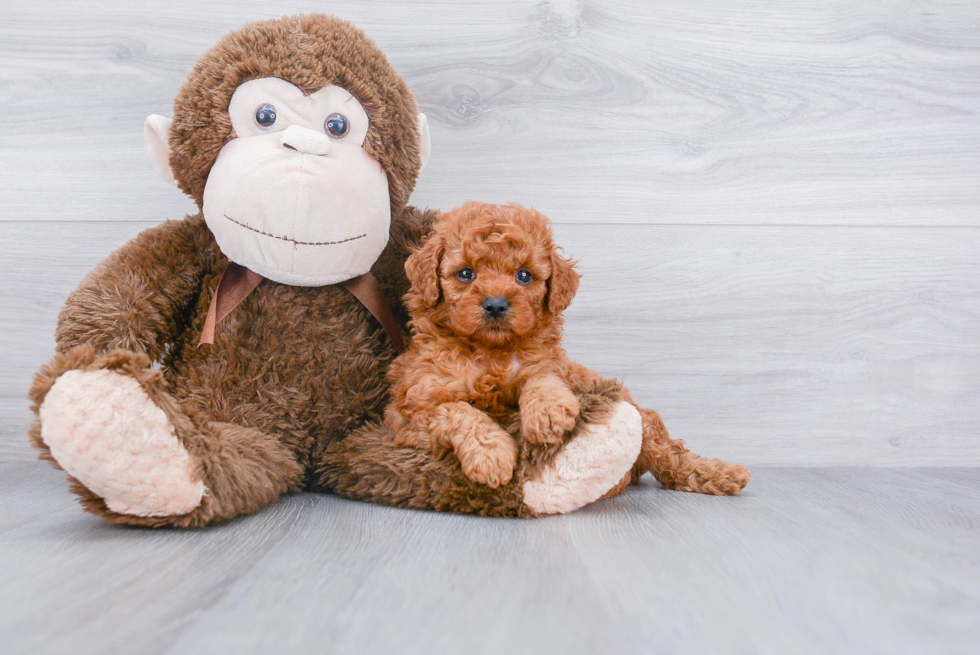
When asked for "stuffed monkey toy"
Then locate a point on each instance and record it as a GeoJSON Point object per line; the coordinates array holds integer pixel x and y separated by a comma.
{"type": "Point", "coordinates": [214, 363]}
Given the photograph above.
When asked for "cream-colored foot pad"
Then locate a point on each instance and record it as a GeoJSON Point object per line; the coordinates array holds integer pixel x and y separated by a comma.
{"type": "Point", "coordinates": [105, 431]}
{"type": "Point", "coordinates": [590, 464]}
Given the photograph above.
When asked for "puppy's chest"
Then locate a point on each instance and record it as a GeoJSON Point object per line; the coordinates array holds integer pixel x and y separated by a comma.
{"type": "Point", "coordinates": [496, 389]}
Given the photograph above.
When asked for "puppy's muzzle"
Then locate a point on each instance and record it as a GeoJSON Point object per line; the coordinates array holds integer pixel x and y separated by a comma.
{"type": "Point", "coordinates": [495, 307]}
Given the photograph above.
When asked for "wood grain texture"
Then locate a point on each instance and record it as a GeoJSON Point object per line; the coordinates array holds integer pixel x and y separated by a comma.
{"type": "Point", "coordinates": [785, 346]}
{"type": "Point", "coordinates": [806, 561]}
{"type": "Point", "coordinates": [775, 204]}
{"type": "Point", "coordinates": [616, 111]}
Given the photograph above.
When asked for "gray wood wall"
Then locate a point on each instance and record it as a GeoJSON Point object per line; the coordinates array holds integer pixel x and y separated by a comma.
{"type": "Point", "coordinates": [776, 205]}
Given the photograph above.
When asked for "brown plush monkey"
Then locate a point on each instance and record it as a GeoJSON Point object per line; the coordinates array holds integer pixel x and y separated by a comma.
{"type": "Point", "coordinates": [216, 362]}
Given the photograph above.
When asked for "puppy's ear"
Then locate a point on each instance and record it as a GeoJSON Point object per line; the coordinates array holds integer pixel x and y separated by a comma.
{"type": "Point", "coordinates": [562, 284]}
{"type": "Point", "coordinates": [422, 268]}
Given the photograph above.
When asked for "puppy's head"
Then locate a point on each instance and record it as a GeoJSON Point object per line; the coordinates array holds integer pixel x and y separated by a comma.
{"type": "Point", "coordinates": [491, 274]}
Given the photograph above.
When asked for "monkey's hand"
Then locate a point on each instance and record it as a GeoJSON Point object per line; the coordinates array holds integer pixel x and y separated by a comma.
{"type": "Point", "coordinates": [548, 410]}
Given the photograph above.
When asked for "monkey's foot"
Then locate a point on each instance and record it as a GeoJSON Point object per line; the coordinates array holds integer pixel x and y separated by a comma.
{"type": "Point", "coordinates": [105, 431]}
{"type": "Point", "coordinates": [589, 466]}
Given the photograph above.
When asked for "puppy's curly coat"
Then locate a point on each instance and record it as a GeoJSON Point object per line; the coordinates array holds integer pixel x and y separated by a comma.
{"type": "Point", "coordinates": [486, 375]}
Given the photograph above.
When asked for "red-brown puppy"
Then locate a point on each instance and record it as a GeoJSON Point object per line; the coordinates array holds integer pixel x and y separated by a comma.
{"type": "Point", "coordinates": [486, 363]}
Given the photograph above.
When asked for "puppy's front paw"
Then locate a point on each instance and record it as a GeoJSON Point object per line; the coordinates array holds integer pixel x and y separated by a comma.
{"type": "Point", "coordinates": [491, 463]}
{"type": "Point", "coordinates": [546, 420]}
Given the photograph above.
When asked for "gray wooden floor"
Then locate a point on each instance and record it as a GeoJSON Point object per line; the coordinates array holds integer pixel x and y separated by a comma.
{"type": "Point", "coordinates": [833, 560]}
{"type": "Point", "coordinates": [776, 210]}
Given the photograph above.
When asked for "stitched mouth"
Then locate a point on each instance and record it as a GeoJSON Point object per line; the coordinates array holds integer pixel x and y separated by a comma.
{"type": "Point", "coordinates": [300, 243]}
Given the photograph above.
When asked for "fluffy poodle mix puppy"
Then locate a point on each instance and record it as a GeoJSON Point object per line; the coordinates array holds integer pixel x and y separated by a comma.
{"type": "Point", "coordinates": [486, 376]}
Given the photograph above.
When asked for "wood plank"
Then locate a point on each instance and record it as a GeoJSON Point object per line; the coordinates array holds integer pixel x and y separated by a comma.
{"type": "Point", "coordinates": [810, 346]}
{"type": "Point", "coordinates": [967, 477]}
{"type": "Point", "coordinates": [849, 547]}
{"type": "Point", "coordinates": [110, 602]}
{"type": "Point", "coordinates": [807, 561]}
{"type": "Point", "coordinates": [771, 345]}
{"type": "Point", "coordinates": [715, 112]}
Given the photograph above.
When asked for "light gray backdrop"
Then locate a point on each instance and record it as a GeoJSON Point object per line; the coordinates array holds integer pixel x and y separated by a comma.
{"type": "Point", "coordinates": [776, 206]}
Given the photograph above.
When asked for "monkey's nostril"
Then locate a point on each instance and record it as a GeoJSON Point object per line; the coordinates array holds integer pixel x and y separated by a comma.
{"type": "Point", "coordinates": [495, 307]}
{"type": "Point", "coordinates": [286, 145]}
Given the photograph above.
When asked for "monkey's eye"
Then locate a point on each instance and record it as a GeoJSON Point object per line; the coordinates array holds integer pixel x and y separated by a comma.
{"type": "Point", "coordinates": [466, 275]}
{"type": "Point", "coordinates": [524, 276]}
{"type": "Point", "coordinates": [336, 126]}
{"type": "Point", "coordinates": [265, 116]}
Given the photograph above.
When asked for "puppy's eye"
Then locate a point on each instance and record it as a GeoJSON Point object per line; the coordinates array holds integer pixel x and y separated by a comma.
{"type": "Point", "coordinates": [466, 275]}
{"type": "Point", "coordinates": [524, 276]}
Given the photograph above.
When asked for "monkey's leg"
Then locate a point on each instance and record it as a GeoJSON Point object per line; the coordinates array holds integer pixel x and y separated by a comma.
{"type": "Point", "coordinates": [592, 459]}
{"type": "Point", "coordinates": [368, 465]}
{"type": "Point", "coordinates": [678, 468]}
{"type": "Point", "coordinates": [136, 456]}
{"type": "Point", "coordinates": [595, 459]}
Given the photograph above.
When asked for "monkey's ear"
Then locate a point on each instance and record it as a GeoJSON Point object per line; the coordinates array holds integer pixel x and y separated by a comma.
{"type": "Point", "coordinates": [425, 143]}
{"type": "Point", "coordinates": [422, 269]}
{"type": "Point", "coordinates": [156, 131]}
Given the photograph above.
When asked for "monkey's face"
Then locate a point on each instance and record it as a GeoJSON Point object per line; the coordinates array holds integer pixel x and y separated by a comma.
{"type": "Point", "coordinates": [294, 197]}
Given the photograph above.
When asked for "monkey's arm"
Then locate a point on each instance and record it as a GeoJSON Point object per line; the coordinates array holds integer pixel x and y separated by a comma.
{"type": "Point", "coordinates": [407, 232]}
{"type": "Point", "coordinates": [138, 297]}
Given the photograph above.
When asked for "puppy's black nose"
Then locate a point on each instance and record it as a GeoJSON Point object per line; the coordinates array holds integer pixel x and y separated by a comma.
{"type": "Point", "coordinates": [496, 307]}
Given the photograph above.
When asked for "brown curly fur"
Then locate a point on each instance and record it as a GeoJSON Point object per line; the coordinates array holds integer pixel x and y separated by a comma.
{"type": "Point", "coordinates": [480, 386]}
